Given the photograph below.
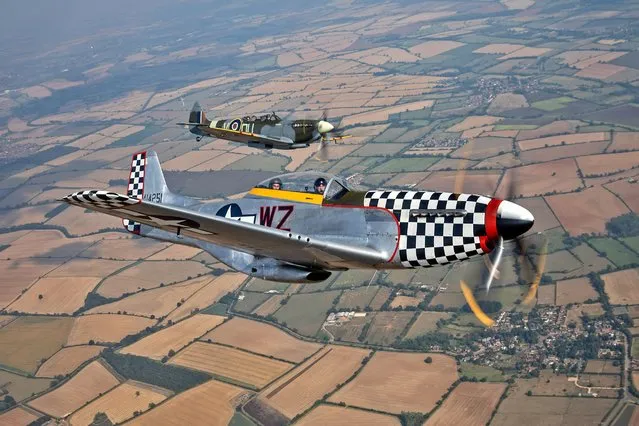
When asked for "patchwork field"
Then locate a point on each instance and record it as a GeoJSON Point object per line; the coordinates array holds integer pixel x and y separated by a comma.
{"type": "Point", "coordinates": [577, 290]}
{"type": "Point", "coordinates": [120, 403]}
{"type": "Point", "coordinates": [55, 295]}
{"type": "Point", "coordinates": [540, 179]}
{"type": "Point", "coordinates": [263, 339]}
{"type": "Point", "coordinates": [387, 326]}
{"type": "Point", "coordinates": [210, 403]}
{"type": "Point", "coordinates": [105, 328]}
{"type": "Point", "coordinates": [306, 312]}
{"type": "Point", "coordinates": [241, 366]}
{"type": "Point", "coordinates": [27, 340]}
{"type": "Point", "coordinates": [469, 404]}
{"type": "Point", "coordinates": [67, 360]}
{"type": "Point", "coordinates": [21, 387]}
{"type": "Point", "coordinates": [91, 381]}
{"type": "Point", "coordinates": [414, 384]}
{"type": "Point", "coordinates": [175, 337]}
{"type": "Point", "coordinates": [426, 322]}
{"type": "Point", "coordinates": [310, 381]}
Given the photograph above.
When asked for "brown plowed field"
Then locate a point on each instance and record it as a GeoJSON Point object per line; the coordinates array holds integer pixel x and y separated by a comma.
{"type": "Point", "coordinates": [474, 121]}
{"type": "Point", "coordinates": [469, 404]}
{"type": "Point", "coordinates": [299, 389]}
{"type": "Point", "coordinates": [235, 364]}
{"type": "Point", "coordinates": [91, 381]}
{"type": "Point", "coordinates": [577, 290]}
{"type": "Point", "coordinates": [586, 211]}
{"type": "Point", "coordinates": [263, 339]}
{"type": "Point", "coordinates": [207, 404]}
{"type": "Point", "coordinates": [624, 141]}
{"type": "Point", "coordinates": [175, 337]}
{"type": "Point", "coordinates": [18, 417]}
{"type": "Point", "coordinates": [608, 163]}
{"type": "Point", "coordinates": [539, 179]}
{"type": "Point", "coordinates": [621, 287]}
{"type": "Point", "coordinates": [67, 360]}
{"type": "Point", "coordinates": [627, 191]}
{"type": "Point", "coordinates": [105, 328]}
{"type": "Point", "coordinates": [331, 415]}
{"type": "Point", "coordinates": [557, 152]}
{"type": "Point", "coordinates": [413, 384]}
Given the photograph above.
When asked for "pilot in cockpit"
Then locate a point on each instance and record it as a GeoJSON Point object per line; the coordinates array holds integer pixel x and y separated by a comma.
{"type": "Point", "coordinates": [275, 183]}
{"type": "Point", "coordinates": [320, 185]}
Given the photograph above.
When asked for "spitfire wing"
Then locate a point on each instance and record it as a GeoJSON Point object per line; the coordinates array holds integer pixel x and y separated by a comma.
{"type": "Point", "coordinates": [247, 237]}
{"type": "Point", "coordinates": [246, 137]}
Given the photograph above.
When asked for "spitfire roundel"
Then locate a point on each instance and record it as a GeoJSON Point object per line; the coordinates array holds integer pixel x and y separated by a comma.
{"type": "Point", "coordinates": [235, 124]}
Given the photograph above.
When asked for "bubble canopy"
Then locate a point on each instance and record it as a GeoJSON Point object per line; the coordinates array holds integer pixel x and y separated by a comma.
{"type": "Point", "coordinates": [335, 189]}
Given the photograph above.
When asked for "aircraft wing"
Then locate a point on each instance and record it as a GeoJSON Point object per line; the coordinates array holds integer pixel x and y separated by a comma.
{"type": "Point", "coordinates": [246, 137]}
{"type": "Point", "coordinates": [259, 240]}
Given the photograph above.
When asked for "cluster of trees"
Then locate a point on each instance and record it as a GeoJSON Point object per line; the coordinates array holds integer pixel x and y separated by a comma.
{"type": "Point", "coordinates": [145, 370]}
{"type": "Point", "coordinates": [425, 342]}
{"type": "Point", "coordinates": [626, 225]}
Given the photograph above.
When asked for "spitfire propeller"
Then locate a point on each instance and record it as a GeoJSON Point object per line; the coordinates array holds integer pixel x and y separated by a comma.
{"type": "Point", "coordinates": [327, 133]}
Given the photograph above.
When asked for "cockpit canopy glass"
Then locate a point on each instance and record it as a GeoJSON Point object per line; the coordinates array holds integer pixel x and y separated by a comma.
{"type": "Point", "coordinates": [335, 187]}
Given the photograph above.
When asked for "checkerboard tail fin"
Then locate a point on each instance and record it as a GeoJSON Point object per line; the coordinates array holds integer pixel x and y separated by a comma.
{"type": "Point", "coordinates": [146, 181]}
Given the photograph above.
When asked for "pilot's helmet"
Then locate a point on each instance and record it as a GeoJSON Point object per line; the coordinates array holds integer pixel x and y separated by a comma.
{"type": "Point", "coordinates": [275, 183]}
{"type": "Point", "coordinates": [320, 182]}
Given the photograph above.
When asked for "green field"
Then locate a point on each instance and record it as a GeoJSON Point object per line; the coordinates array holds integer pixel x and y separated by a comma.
{"type": "Point", "coordinates": [553, 104]}
{"type": "Point", "coordinates": [240, 419]}
{"type": "Point", "coordinates": [250, 301]}
{"type": "Point", "coordinates": [257, 285]}
{"type": "Point", "coordinates": [306, 312]}
{"type": "Point", "coordinates": [635, 348]}
{"type": "Point", "coordinates": [358, 298]}
{"type": "Point", "coordinates": [480, 372]}
{"type": "Point", "coordinates": [616, 252]}
{"type": "Point", "coordinates": [352, 278]}
{"type": "Point", "coordinates": [555, 238]}
{"type": "Point", "coordinates": [413, 164]}
{"type": "Point", "coordinates": [632, 242]}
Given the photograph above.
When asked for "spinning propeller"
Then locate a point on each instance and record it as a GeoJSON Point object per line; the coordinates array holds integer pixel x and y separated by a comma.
{"type": "Point", "coordinates": [327, 132]}
{"type": "Point", "coordinates": [506, 224]}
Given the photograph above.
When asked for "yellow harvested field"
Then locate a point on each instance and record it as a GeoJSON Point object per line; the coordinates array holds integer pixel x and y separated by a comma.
{"type": "Point", "coordinates": [573, 57]}
{"type": "Point", "coordinates": [124, 248]}
{"type": "Point", "coordinates": [546, 295]}
{"type": "Point", "coordinates": [414, 384]}
{"type": "Point", "coordinates": [576, 290]}
{"type": "Point", "coordinates": [473, 182]}
{"type": "Point", "coordinates": [46, 244]}
{"type": "Point", "coordinates": [263, 339]}
{"type": "Point", "coordinates": [526, 52]}
{"type": "Point", "coordinates": [120, 403]}
{"type": "Point", "coordinates": [60, 83]}
{"type": "Point", "coordinates": [176, 252]}
{"type": "Point", "coordinates": [212, 403]}
{"type": "Point", "coordinates": [586, 211]}
{"type": "Point", "coordinates": [191, 159]}
{"type": "Point", "coordinates": [271, 305]}
{"type": "Point", "coordinates": [99, 268]}
{"type": "Point", "coordinates": [68, 158]}
{"type": "Point", "coordinates": [18, 275]}
{"type": "Point", "coordinates": [24, 216]}
{"type": "Point", "coordinates": [67, 360]}
{"type": "Point", "coordinates": [623, 141]}
{"type": "Point", "coordinates": [331, 415]}
{"type": "Point", "coordinates": [175, 337]}
{"type": "Point", "coordinates": [105, 328]}
{"type": "Point", "coordinates": [426, 322]}
{"type": "Point", "coordinates": [78, 221]}
{"type": "Point", "coordinates": [6, 319]}
{"type": "Point", "coordinates": [499, 48]}
{"type": "Point", "coordinates": [621, 286]}
{"type": "Point", "coordinates": [543, 178]}
{"type": "Point", "coordinates": [560, 127]}
{"type": "Point", "coordinates": [607, 163]}
{"type": "Point", "coordinates": [289, 58]}
{"type": "Point", "coordinates": [429, 49]}
{"type": "Point", "coordinates": [383, 113]}
{"type": "Point", "coordinates": [36, 92]}
{"type": "Point", "coordinates": [405, 301]}
{"type": "Point", "coordinates": [217, 163]}
{"type": "Point", "coordinates": [27, 340]}
{"type": "Point", "coordinates": [207, 295]}
{"type": "Point", "coordinates": [563, 140]}
{"type": "Point", "coordinates": [91, 381]}
{"type": "Point", "coordinates": [55, 295]}
{"type": "Point", "coordinates": [469, 404]}
{"type": "Point", "coordinates": [474, 121]}
{"type": "Point", "coordinates": [254, 370]}
{"type": "Point", "coordinates": [158, 302]}
{"type": "Point", "coordinates": [299, 389]}
{"type": "Point", "coordinates": [18, 417]}
{"type": "Point", "coordinates": [149, 274]}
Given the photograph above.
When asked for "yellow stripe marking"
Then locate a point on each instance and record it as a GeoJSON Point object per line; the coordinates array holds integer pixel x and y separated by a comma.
{"type": "Point", "coordinates": [280, 194]}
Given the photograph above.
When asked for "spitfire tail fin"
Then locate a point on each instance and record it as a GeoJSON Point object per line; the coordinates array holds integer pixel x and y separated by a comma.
{"type": "Point", "coordinates": [197, 116]}
{"type": "Point", "coordinates": [146, 182]}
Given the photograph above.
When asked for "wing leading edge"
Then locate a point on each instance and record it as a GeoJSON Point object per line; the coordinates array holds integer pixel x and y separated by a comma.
{"type": "Point", "coordinates": [258, 240]}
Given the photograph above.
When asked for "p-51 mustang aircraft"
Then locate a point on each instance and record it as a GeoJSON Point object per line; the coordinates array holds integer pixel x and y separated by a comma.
{"type": "Point", "coordinates": [266, 131]}
{"type": "Point", "coordinates": [298, 227]}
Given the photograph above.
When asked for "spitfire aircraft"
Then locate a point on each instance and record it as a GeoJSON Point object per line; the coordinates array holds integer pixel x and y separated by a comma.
{"type": "Point", "coordinates": [299, 227]}
{"type": "Point", "coordinates": [266, 131]}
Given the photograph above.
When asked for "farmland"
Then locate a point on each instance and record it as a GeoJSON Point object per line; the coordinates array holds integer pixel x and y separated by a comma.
{"type": "Point", "coordinates": [67, 360]}
{"type": "Point", "coordinates": [327, 414]}
{"type": "Point", "coordinates": [469, 404]}
{"type": "Point", "coordinates": [416, 386]}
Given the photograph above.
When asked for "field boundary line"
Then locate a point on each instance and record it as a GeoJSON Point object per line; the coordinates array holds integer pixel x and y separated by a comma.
{"type": "Point", "coordinates": [212, 342]}
{"type": "Point", "coordinates": [297, 375]}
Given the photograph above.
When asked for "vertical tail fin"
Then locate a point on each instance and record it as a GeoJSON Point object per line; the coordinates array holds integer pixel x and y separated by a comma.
{"type": "Point", "coordinates": [197, 115]}
{"type": "Point", "coordinates": [146, 181]}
